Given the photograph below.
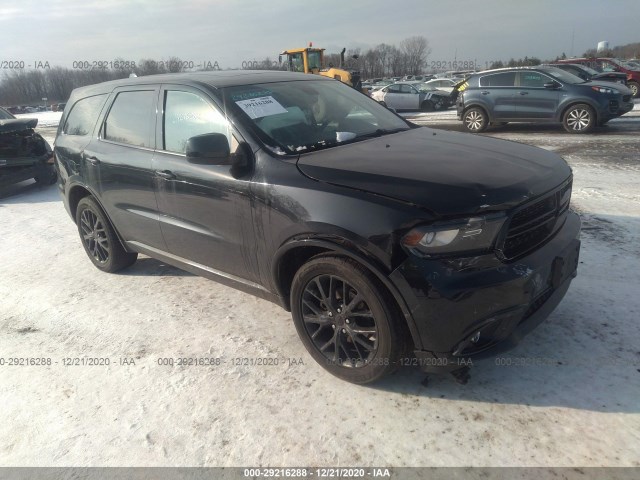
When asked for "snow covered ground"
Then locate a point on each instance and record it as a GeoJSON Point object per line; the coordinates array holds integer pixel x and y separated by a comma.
{"type": "Point", "coordinates": [580, 407]}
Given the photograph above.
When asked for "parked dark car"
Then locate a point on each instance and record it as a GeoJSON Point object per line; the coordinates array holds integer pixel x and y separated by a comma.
{"type": "Point", "coordinates": [588, 74]}
{"type": "Point", "coordinates": [539, 95]}
{"type": "Point", "coordinates": [391, 244]}
{"type": "Point", "coordinates": [24, 154]}
{"type": "Point", "coordinates": [611, 65]}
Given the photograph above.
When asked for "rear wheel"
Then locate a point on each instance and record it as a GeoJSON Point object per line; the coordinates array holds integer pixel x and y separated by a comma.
{"type": "Point", "coordinates": [579, 118]}
{"type": "Point", "coordinates": [346, 319]}
{"type": "Point", "coordinates": [634, 86]}
{"type": "Point", "coordinates": [475, 120]}
{"type": "Point", "coordinates": [98, 238]}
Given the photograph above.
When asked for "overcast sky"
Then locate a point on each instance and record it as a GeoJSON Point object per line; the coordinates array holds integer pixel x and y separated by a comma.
{"type": "Point", "coordinates": [233, 31]}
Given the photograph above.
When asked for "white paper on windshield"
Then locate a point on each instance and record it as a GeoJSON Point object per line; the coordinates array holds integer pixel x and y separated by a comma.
{"type": "Point", "coordinates": [261, 107]}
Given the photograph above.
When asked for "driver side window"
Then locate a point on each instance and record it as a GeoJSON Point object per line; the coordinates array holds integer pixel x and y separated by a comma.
{"type": "Point", "coordinates": [187, 115]}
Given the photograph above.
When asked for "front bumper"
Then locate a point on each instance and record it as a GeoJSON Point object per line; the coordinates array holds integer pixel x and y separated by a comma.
{"type": "Point", "coordinates": [15, 170]}
{"type": "Point", "coordinates": [451, 300]}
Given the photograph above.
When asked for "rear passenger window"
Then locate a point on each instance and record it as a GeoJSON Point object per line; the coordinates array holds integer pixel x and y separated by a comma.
{"type": "Point", "coordinates": [83, 115]}
{"type": "Point", "coordinates": [506, 79]}
{"type": "Point", "coordinates": [187, 115]}
{"type": "Point", "coordinates": [130, 120]}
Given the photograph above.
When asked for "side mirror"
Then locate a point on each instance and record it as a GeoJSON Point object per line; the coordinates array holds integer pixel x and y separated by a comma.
{"type": "Point", "coordinates": [209, 149]}
{"type": "Point", "coordinates": [242, 160]}
{"type": "Point", "coordinates": [552, 85]}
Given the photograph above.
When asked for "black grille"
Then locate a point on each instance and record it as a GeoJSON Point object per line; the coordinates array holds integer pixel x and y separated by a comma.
{"type": "Point", "coordinates": [535, 223]}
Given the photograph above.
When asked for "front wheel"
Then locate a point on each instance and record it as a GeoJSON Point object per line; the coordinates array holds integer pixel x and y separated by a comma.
{"type": "Point", "coordinates": [47, 176]}
{"type": "Point", "coordinates": [346, 319]}
{"type": "Point", "coordinates": [475, 120]}
{"type": "Point", "coordinates": [579, 118]}
{"type": "Point", "coordinates": [98, 238]}
{"type": "Point", "coordinates": [634, 87]}
{"type": "Point", "coordinates": [427, 106]}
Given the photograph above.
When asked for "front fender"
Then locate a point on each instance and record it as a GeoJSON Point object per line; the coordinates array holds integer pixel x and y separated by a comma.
{"type": "Point", "coordinates": [343, 247]}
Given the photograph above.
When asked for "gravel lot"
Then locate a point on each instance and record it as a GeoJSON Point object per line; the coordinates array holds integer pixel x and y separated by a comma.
{"type": "Point", "coordinates": [581, 408]}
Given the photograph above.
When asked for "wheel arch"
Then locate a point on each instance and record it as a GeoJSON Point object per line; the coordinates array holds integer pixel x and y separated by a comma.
{"type": "Point", "coordinates": [76, 193]}
{"type": "Point", "coordinates": [575, 102]}
{"type": "Point", "coordinates": [479, 105]}
{"type": "Point", "coordinates": [295, 253]}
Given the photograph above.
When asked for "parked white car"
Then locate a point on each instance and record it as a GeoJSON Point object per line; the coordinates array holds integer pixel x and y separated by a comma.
{"type": "Point", "coordinates": [412, 96]}
{"type": "Point", "coordinates": [443, 84]}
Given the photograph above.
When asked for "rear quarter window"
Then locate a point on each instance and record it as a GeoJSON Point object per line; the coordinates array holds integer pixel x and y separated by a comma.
{"type": "Point", "coordinates": [83, 115]}
{"type": "Point", "coordinates": [130, 121]}
{"type": "Point", "coordinates": [505, 79]}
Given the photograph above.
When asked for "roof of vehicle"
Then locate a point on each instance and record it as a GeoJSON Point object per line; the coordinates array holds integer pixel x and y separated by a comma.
{"type": "Point", "coordinates": [217, 79]}
{"type": "Point", "coordinates": [509, 69]}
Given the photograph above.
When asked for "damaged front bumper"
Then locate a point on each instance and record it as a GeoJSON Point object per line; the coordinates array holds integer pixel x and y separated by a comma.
{"type": "Point", "coordinates": [470, 308]}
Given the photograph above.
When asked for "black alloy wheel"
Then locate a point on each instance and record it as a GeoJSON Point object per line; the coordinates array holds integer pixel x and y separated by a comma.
{"type": "Point", "coordinates": [346, 319]}
{"type": "Point", "coordinates": [99, 239]}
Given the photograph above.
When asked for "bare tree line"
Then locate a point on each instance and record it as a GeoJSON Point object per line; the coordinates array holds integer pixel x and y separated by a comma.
{"type": "Point", "coordinates": [409, 58]}
{"type": "Point", "coordinates": [384, 60]}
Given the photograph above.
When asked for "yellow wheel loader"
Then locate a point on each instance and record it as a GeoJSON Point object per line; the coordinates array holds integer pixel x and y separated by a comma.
{"type": "Point", "coordinates": [311, 60]}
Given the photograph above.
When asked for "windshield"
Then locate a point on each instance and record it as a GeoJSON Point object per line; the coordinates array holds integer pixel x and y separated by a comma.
{"type": "Point", "coordinates": [425, 87]}
{"type": "Point", "coordinates": [315, 59]}
{"type": "Point", "coordinates": [562, 76]}
{"type": "Point", "coordinates": [4, 115]}
{"type": "Point", "coordinates": [300, 116]}
{"type": "Point", "coordinates": [589, 70]}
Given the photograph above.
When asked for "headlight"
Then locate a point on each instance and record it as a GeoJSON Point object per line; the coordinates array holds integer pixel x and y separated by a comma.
{"type": "Point", "coordinates": [605, 90]}
{"type": "Point", "coordinates": [475, 234]}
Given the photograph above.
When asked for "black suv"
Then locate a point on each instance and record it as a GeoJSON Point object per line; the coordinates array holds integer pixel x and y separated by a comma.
{"type": "Point", "coordinates": [383, 238]}
{"type": "Point", "coordinates": [539, 94]}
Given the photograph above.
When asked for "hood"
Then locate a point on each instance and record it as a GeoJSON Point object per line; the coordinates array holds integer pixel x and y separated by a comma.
{"type": "Point", "coordinates": [17, 124]}
{"type": "Point", "coordinates": [447, 173]}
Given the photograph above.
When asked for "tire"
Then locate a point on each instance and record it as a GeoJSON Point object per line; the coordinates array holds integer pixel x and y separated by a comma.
{"type": "Point", "coordinates": [439, 105]}
{"type": "Point", "coordinates": [427, 106]}
{"type": "Point", "coordinates": [475, 120]}
{"type": "Point", "coordinates": [361, 348]}
{"type": "Point", "coordinates": [579, 118]}
{"type": "Point", "coordinates": [635, 88]}
{"type": "Point", "coordinates": [98, 238]}
{"type": "Point", "coordinates": [48, 176]}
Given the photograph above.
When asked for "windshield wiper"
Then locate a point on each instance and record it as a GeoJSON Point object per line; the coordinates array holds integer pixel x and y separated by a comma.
{"type": "Point", "coordinates": [311, 147]}
{"type": "Point", "coordinates": [380, 132]}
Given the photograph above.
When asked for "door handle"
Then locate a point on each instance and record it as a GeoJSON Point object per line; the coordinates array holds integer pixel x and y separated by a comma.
{"type": "Point", "coordinates": [91, 159]}
{"type": "Point", "coordinates": [484, 92]}
{"type": "Point", "coordinates": [166, 174]}
{"type": "Point", "coordinates": [524, 93]}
